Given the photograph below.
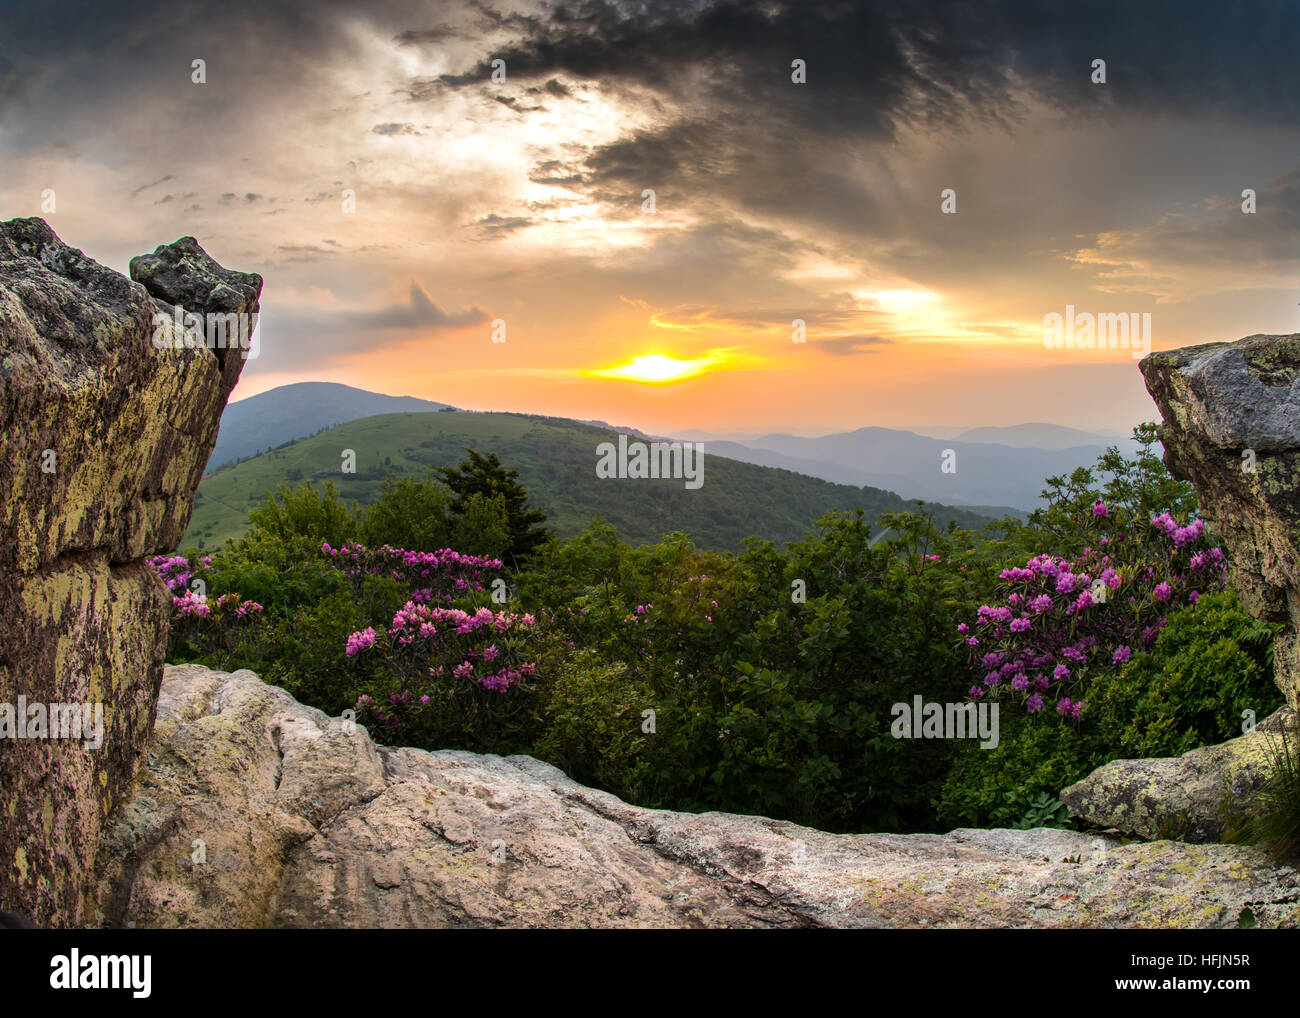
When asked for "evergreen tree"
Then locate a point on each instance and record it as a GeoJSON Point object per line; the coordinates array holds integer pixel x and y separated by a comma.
{"type": "Point", "coordinates": [487, 477]}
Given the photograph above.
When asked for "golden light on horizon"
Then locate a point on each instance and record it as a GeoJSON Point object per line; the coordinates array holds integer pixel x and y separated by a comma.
{"type": "Point", "coordinates": [656, 369]}
{"type": "Point", "coordinates": [902, 301]}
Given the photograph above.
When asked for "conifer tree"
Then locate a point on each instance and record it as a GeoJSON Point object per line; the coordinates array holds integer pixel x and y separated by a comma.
{"type": "Point", "coordinates": [486, 476]}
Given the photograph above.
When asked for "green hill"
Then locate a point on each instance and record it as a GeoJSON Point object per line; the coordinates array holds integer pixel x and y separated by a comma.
{"type": "Point", "coordinates": [556, 460]}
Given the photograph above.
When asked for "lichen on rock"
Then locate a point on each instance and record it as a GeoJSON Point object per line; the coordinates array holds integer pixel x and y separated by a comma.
{"type": "Point", "coordinates": [1196, 797]}
{"type": "Point", "coordinates": [103, 440]}
{"type": "Point", "coordinates": [1232, 428]}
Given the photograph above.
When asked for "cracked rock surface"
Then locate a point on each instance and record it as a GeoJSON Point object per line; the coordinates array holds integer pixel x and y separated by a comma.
{"type": "Point", "coordinates": [255, 811]}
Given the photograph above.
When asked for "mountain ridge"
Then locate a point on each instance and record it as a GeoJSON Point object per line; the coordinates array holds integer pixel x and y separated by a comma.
{"type": "Point", "coordinates": [556, 458]}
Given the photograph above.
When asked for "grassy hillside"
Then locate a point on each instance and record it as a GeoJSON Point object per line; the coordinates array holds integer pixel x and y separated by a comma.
{"type": "Point", "coordinates": [556, 460]}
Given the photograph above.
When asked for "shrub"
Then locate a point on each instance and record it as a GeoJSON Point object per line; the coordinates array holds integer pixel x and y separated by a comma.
{"type": "Point", "coordinates": [1057, 621]}
{"type": "Point", "coordinates": [423, 514]}
{"type": "Point", "coordinates": [1211, 662]}
{"type": "Point", "coordinates": [304, 517]}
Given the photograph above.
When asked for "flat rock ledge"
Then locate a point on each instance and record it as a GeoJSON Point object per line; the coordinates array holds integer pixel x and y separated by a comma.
{"type": "Point", "coordinates": [252, 810]}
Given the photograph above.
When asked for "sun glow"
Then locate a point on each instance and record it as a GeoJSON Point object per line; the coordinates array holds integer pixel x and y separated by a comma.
{"type": "Point", "coordinates": [656, 369]}
{"type": "Point", "coordinates": [901, 301]}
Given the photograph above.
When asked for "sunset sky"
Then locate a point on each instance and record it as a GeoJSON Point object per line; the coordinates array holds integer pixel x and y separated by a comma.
{"type": "Point", "coordinates": [522, 200]}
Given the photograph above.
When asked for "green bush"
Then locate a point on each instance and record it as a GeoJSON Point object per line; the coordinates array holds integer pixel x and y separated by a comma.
{"type": "Point", "coordinates": [1211, 662]}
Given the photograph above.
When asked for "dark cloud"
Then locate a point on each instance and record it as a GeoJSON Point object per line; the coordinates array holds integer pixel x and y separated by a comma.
{"type": "Point", "coordinates": [419, 37]}
{"type": "Point", "coordinates": [555, 172]}
{"type": "Point", "coordinates": [872, 62]}
{"type": "Point", "coordinates": [493, 223]}
{"type": "Point", "coordinates": [552, 87]}
{"type": "Point", "coordinates": [730, 125]}
{"type": "Point", "coordinates": [393, 129]}
{"type": "Point", "coordinates": [421, 313]}
{"type": "Point", "coordinates": [339, 333]}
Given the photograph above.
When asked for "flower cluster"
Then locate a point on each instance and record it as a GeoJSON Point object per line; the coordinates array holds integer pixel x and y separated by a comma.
{"type": "Point", "coordinates": [480, 646]}
{"type": "Point", "coordinates": [176, 571]}
{"type": "Point", "coordinates": [1058, 617]}
{"type": "Point", "coordinates": [358, 642]}
{"type": "Point", "coordinates": [189, 605]}
{"type": "Point", "coordinates": [445, 573]}
{"type": "Point", "coordinates": [194, 605]}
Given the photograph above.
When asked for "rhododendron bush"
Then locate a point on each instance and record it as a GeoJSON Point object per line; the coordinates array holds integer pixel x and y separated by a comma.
{"type": "Point", "coordinates": [429, 644]}
{"type": "Point", "coordinates": [1055, 619]}
{"type": "Point", "coordinates": [434, 646]}
{"type": "Point", "coordinates": [445, 573]}
{"type": "Point", "coordinates": [212, 626]}
{"type": "Point", "coordinates": [441, 635]}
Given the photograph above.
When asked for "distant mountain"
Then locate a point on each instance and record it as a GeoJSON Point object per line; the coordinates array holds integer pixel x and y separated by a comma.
{"type": "Point", "coordinates": [556, 459]}
{"type": "Point", "coordinates": [986, 474]}
{"type": "Point", "coordinates": [998, 469]}
{"type": "Point", "coordinates": [1041, 436]}
{"type": "Point", "coordinates": [280, 415]}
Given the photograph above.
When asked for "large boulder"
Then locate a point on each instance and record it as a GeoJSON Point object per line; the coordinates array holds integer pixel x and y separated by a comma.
{"type": "Point", "coordinates": [255, 811]}
{"type": "Point", "coordinates": [103, 439]}
{"type": "Point", "coordinates": [1232, 427]}
{"type": "Point", "coordinates": [1199, 796]}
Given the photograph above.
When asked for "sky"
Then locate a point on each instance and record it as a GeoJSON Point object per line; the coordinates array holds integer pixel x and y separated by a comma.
{"type": "Point", "coordinates": [516, 210]}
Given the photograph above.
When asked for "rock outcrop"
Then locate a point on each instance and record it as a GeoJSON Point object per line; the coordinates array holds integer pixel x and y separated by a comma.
{"type": "Point", "coordinates": [103, 439]}
{"type": "Point", "coordinates": [1196, 797]}
{"type": "Point", "coordinates": [1232, 427]}
{"type": "Point", "coordinates": [255, 811]}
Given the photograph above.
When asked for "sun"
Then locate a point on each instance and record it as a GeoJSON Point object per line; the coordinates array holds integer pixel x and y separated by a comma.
{"type": "Point", "coordinates": [656, 369]}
